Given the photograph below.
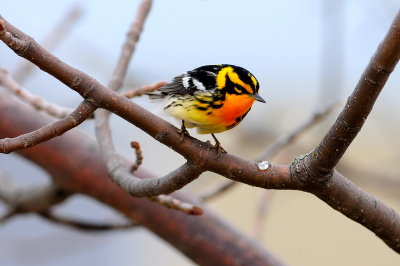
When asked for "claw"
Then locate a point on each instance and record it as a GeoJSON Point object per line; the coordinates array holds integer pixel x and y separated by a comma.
{"type": "Point", "coordinates": [218, 146]}
{"type": "Point", "coordinates": [183, 131]}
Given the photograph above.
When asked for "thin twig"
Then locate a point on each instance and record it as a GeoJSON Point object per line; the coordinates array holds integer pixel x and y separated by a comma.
{"type": "Point", "coordinates": [129, 46]}
{"type": "Point", "coordinates": [37, 102]}
{"type": "Point", "coordinates": [262, 210]}
{"type": "Point", "coordinates": [80, 114]}
{"type": "Point", "coordinates": [117, 169]}
{"type": "Point", "coordinates": [31, 198]}
{"type": "Point", "coordinates": [218, 190]}
{"type": "Point", "coordinates": [289, 137]}
{"type": "Point", "coordinates": [55, 110]}
{"type": "Point", "coordinates": [144, 89]}
{"type": "Point", "coordinates": [139, 156]}
{"type": "Point", "coordinates": [275, 147]}
{"type": "Point", "coordinates": [173, 203]}
{"type": "Point", "coordinates": [8, 215]}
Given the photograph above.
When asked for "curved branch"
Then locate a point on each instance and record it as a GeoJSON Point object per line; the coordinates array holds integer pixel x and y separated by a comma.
{"type": "Point", "coordinates": [80, 114]}
{"type": "Point", "coordinates": [120, 174]}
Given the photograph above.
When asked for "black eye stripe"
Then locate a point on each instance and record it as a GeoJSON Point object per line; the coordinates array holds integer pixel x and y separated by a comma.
{"type": "Point", "coordinates": [230, 87]}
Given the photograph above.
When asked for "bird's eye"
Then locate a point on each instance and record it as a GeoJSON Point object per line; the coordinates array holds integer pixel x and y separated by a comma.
{"type": "Point", "coordinates": [237, 90]}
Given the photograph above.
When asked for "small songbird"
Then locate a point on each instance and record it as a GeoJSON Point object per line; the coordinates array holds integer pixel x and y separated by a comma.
{"type": "Point", "coordinates": [212, 98]}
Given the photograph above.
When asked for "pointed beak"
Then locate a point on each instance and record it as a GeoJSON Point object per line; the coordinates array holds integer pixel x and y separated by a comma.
{"type": "Point", "coordinates": [258, 97]}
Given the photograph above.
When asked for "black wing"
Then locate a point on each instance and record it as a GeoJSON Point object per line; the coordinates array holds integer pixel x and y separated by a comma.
{"type": "Point", "coordinates": [174, 88]}
{"type": "Point", "coordinates": [197, 80]}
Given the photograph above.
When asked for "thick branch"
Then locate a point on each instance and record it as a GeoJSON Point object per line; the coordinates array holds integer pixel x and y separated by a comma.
{"type": "Point", "coordinates": [76, 165]}
{"type": "Point", "coordinates": [321, 161]}
{"type": "Point", "coordinates": [344, 196]}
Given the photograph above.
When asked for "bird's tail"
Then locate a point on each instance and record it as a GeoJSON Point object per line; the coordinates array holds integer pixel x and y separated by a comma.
{"type": "Point", "coordinates": [156, 94]}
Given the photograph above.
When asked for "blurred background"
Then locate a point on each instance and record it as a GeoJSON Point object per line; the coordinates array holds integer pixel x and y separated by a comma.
{"type": "Point", "coordinates": [305, 54]}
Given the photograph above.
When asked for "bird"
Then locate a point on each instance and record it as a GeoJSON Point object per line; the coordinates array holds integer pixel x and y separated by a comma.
{"type": "Point", "coordinates": [210, 98]}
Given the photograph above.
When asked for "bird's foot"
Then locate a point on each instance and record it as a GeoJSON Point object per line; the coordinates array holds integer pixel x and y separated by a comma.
{"type": "Point", "coordinates": [183, 131]}
{"type": "Point", "coordinates": [218, 146]}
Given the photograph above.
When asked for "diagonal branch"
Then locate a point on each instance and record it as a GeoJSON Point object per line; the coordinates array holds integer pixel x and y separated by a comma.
{"type": "Point", "coordinates": [321, 161]}
{"type": "Point", "coordinates": [80, 114]}
{"type": "Point", "coordinates": [316, 169]}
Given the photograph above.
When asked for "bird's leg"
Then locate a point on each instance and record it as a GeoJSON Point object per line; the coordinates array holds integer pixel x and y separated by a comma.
{"type": "Point", "coordinates": [218, 146]}
{"type": "Point", "coordinates": [183, 131]}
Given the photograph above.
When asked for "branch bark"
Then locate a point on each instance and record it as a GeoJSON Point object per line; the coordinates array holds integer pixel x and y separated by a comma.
{"type": "Point", "coordinates": [321, 161]}
{"type": "Point", "coordinates": [76, 165]}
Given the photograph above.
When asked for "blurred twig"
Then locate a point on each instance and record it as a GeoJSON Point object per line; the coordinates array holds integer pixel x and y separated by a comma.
{"type": "Point", "coordinates": [37, 102]}
{"type": "Point", "coordinates": [218, 190]}
{"type": "Point", "coordinates": [262, 211]}
{"type": "Point", "coordinates": [52, 40]}
{"type": "Point", "coordinates": [284, 140]}
{"type": "Point", "coordinates": [84, 225]}
{"type": "Point", "coordinates": [289, 137]}
{"type": "Point", "coordinates": [144, 89]}
{"type": "Point", "coordinates": [173, 203]}
{"type": "Point", "coordinates": [29, 199]}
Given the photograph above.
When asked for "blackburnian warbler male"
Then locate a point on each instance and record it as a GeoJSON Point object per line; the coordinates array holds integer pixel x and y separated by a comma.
{"type": "Point", "coordinates": [212, 98]}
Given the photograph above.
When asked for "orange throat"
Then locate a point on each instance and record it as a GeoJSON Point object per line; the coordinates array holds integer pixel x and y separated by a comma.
{"type": "Point", "coordinates": [234, 108]}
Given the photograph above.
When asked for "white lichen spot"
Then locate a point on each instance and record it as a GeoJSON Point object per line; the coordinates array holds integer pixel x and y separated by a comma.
{"type": "Point", "coordinates": [264, 165]}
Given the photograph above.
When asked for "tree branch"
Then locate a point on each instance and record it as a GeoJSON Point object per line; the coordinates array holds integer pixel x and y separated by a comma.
{"type": "Point", "coordinates": [76, 164]}
{"type": "Point", "coordinates": [30, 199]}
{"type": "Point", "coordinates": [80, 114]}
{"type": "Point", "coordinates": [321, 161]}
{"type": "Point", "coordinates": [83, 225]}
{"type": "Point", "coordinates": [37, 102]}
